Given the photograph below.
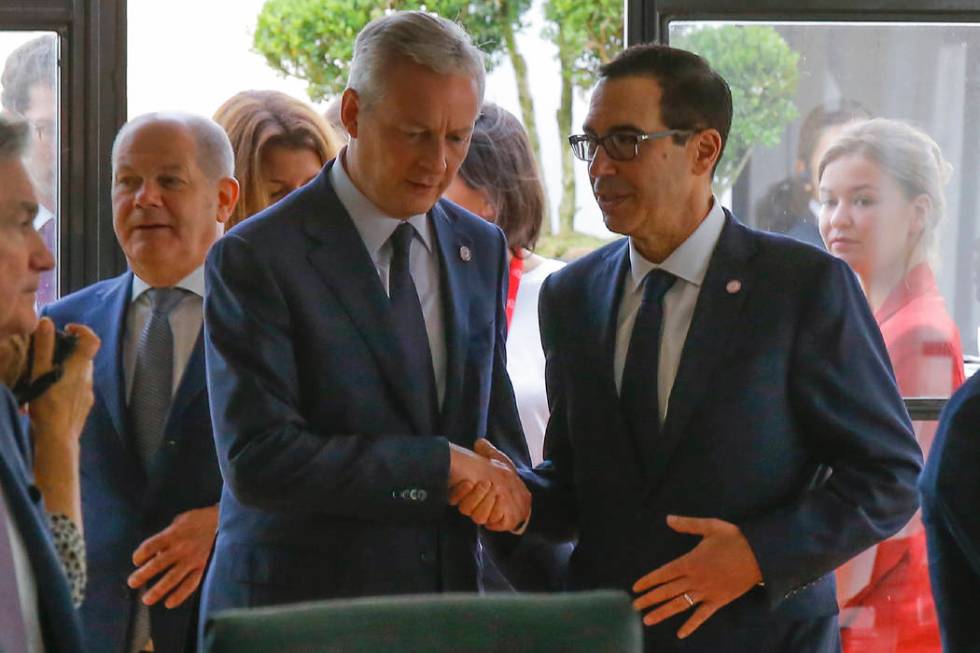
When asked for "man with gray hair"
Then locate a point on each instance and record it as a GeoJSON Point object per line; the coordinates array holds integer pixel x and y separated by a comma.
{"type": "Point", "coordinates": [355, 348]}
{"type": "Point", "coordinates": [150, 477]}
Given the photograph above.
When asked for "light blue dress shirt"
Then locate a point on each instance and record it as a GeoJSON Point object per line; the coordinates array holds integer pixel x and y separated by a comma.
{"type": "Point", "coordinates": [689, 263]}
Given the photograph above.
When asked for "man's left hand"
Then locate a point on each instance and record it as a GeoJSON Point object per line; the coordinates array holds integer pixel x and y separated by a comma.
{"type": "Point", "coordinates": [178, 554]}
{"type": "Point", "coordinates": [721, 568]}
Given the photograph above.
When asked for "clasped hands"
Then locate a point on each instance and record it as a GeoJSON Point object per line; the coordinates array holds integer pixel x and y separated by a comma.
{"type": "Point", "coordinates": [484, 486]}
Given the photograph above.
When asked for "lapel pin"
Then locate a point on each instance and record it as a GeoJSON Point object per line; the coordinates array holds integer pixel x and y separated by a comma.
{"type": "Point", "coordinates": [733, 286]}
{"type": "Point", "coordinates": [465, 254]}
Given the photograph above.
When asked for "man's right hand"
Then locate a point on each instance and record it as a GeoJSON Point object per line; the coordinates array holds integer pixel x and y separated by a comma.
{"type": "Point", "coordinates": [485, 487]}
{"type": "Point", "coordinates": [60, 413]}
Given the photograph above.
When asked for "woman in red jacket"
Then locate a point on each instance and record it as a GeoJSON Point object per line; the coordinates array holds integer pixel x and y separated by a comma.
{"type": "Point", "coordinates": [881, 193]}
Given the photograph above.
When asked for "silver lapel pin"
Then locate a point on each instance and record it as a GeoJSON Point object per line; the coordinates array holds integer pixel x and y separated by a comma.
{"type": "Point", "coordinates": [733, 286]}
{"type": "Point", "coordinates": [465, 253]}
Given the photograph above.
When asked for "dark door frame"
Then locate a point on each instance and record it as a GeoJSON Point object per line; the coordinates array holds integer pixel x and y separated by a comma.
{"type": "Point", "coordinates": [92, 82]}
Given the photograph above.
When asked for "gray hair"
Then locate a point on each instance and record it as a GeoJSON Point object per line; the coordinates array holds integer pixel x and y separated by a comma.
{"type": "Point", "coordinates": [906, 154]}
{"type": "Point", "coordinates": [13, 138]}
{"type": "Point", "coordinates": [429, 40]}
{"type": "Point", "coordinates": [215, 156]}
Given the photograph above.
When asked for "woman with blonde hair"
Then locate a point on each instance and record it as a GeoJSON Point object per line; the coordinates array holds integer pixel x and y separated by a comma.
{"type": "Point", "coordinates": [882, 201]}
{"type": "Point", "coordinates": [280, 144]}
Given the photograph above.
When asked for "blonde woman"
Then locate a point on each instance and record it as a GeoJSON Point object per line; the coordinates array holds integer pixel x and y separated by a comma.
{"type": "Point", "coordinates": [882, 201]}
{"type": "Point", "coordinates": [280, 144]}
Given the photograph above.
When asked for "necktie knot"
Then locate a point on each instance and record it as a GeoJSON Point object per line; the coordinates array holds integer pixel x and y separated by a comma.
{"type": "Point", "coordinates": [164, 300]}
{"type": "Point", "coordinates": [657, 283]}
{"type": "Point", "coordinates": [401, 240]}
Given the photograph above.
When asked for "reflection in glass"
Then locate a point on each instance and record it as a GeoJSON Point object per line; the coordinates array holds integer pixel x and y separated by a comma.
{"type": "Point", "coordinates": [882, 204]}
{"type": "Point", "coordinates": [921, 73]}
{"type": "Point", "coordinates": [28, 89]}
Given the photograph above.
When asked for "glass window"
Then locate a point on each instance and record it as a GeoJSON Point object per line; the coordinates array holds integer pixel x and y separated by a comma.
{"type": "Point", "coordinates": [810, 157]}
{"type": "Point", "coordinates": [795, 86]}
{"type": "Point", "coordinates": [29, 89]}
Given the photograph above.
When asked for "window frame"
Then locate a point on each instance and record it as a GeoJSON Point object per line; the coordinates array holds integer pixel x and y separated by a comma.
{"type": "Point", "coordinates": [648, 21]}
{"type": "Point", "coordinates": [92, 107]}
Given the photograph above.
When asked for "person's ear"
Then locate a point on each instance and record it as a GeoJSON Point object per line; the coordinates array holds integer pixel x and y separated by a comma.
{"type": "Point", "coordinates": [706, 150]}
{"type": "Point", "coordinates": [921, 210]}
{"type": "Point", "coordinates": [228, 191]}
{"type": "Point", "coordinates": [350, 109]}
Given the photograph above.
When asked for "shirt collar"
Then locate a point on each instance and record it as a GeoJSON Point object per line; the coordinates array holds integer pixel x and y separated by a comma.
{"type": "Point", "coordinates": [193, 282]}
{"type": "Point", "coordinates": [690, 260]}
{"type": "Point", "coordinates": [371, 223]}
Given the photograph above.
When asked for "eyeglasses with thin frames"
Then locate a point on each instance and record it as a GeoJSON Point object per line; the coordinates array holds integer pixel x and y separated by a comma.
{"type": "Point", "coordinates": [620, 146]}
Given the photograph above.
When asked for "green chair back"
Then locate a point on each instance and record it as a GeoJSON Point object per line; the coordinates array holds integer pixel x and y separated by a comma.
{"type": "Point", "coordinates": [593, 622]}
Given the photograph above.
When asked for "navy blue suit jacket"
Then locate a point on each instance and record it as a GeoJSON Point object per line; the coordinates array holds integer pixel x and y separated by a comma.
{"type": "Point", "coordinates": [950, 487]}
{"type": "Point", "coordinates": [121, 504]}
{"type": "Point", "coordinates": [59, 620]}
{"type": "Point", "coordinates": [335, 481]}
{"type": "Point", "coordinates": [784, 419]}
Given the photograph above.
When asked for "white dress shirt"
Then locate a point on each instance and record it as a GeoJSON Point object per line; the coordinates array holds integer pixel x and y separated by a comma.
{"type": "Point", "coordinates": [375, 229]}
{"type": "Point", "coordinates": [689, 263]}
{"type": "Point", "coordinates": [26, 585]}
{"type": "Point", "coordinates": [185, 322]}
{"type": "Point", "coordinates": [525, 358]}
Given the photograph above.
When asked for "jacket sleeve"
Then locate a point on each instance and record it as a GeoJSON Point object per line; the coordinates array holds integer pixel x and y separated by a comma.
{"type": "Point", "coordinates": [554, 511]}
{"type": "Point", "coordinates": [270, 457]}
{"type": "Point", "coordinates": [847, 404]}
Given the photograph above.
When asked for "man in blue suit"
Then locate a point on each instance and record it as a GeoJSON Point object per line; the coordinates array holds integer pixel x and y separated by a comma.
{"type": "Point", "coordinates": [725, 426]}
{"type": "Point", "coordinates": [150, 478]}
{"type": "Point", "coordinates": [355, 348]}
{"type": "Point", "coordinates": [39, 490]}
{"type": "Point", "coordinates": [950, 487]}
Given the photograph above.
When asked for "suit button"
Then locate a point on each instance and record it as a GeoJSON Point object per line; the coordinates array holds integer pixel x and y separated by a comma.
{"type": "Point", "coordinates": [171, 443]}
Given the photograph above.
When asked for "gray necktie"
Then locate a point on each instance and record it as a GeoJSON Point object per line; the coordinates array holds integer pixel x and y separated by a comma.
{"type": "Point", "coordinates": [153, 377]}
{"type": "Point", "coordinates": [149, 407]}
{"type": "Point", "coordinates": [13, 633]}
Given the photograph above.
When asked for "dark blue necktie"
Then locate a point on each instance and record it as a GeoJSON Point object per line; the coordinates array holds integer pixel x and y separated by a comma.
{"type": "Point", "coordinates": [409, 322]}
{"type": "Point", "coordinates": [638, 392]}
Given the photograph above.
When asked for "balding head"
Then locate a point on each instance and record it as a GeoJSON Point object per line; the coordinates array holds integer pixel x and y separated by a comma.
{"type": "Point", "coordinates": [172, 189]}
{"type": "Point", "coordinates": [213, 152]}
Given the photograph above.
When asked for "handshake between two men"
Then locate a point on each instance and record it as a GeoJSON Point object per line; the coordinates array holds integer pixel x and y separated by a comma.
{"type": "Point", "coordinates": [484, 486]}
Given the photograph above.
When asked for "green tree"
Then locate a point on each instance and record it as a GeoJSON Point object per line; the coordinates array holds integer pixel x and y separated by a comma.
{"type": "Point", "coordinates": [313, 40]}
{"type": "Point", "coordinates": [587, 34]}
{"type": "Point", "coordinates": [761, 69]}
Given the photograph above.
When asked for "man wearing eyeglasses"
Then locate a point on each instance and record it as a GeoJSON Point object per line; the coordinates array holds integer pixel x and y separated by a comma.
{"type": "Point", "coordinates": [725, 427]}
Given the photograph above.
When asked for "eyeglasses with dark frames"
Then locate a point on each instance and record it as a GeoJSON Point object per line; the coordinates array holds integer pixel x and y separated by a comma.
{"type": "Point", "coordinates": [620, 146]}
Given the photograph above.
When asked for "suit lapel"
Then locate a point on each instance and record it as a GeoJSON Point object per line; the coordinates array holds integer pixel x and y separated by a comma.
{"type": "Point", "coordinates": [726, 284]}
{"type": "Point", "coordinates": [455, 295]}
{"type": "Point", "coordinates": [192, 384]}
{"type": "Point", "coordinates": [342, 261]}
{"type": "Point", "coordinates": [108, 320]}
{"type": "Point", "coordinates": [604, 294]}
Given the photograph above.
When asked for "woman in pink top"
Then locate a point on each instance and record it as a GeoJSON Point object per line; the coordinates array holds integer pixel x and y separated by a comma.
{"type": "Point", "coordinates": [881, 203]}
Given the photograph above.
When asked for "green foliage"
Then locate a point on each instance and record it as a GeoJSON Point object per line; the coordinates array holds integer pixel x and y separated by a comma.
{"type": "Point", "coordinates": [314, 39]}
{"type": "Point", "coordinates": [587, 34]}
{"type": "Point", "coordinates": [568, 245]}
{"type": "Point", "coordinates": [761, 70]}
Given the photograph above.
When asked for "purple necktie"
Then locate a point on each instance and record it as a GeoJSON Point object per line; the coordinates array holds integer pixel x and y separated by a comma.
{"type": "Point", "coordinates": [13, 634]}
